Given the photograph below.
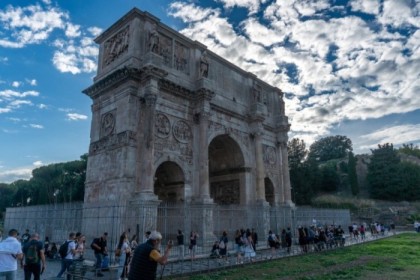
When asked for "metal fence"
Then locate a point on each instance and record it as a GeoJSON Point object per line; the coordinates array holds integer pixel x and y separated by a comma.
{"type": "Point", "coordinates": [56, 221]}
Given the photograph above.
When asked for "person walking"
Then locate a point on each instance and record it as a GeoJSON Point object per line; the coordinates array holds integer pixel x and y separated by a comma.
{"type": "Point", "coordinates": [10, 252]}
{"type": "Point", "coordinates": [99, 246]}
{"type": "Point", "coordinates": [193, 243]}
{"type": "Point", "coordinates": [223, 245]}
{"type": "Point", "coordinates": [180, 242]}
{"type": "Point", "coordinates": [67, 256]}
{"type": "Point", "coordinates": [122, 253]}
{"type": "Point", "coordinates": [146, 258]}
{"type": "Point", "coordinates": [33, 252]}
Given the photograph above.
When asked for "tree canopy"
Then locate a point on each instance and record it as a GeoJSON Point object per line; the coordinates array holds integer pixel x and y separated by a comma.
{"type": "Point", "coordinates": [331, 147]}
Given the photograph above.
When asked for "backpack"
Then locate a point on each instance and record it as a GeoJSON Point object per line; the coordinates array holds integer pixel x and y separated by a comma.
{"type": "Point", "coordinates": [64, 249]}
{"type": "Point", "coordinates": [32, 254]}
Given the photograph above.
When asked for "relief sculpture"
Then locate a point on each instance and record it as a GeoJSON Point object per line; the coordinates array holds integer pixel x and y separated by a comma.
{"type": "Point", "coordinates": [162, 126]}
{"type": "Point", "coordinates": [116, 46]}
{"type": "Point", "coordinates": [181, 58]}
{"type": "Point", "coordinates": [108, 124]}
{"type": "Point", "coordinates": [182, 131]}
{"type": "Point", "coordinates": [269, 155]}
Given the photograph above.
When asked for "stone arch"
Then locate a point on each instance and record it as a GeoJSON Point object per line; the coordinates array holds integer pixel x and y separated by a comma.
{"type": "Point", "coordinates": [244, 150]}
{"type": "Point", "coordinates": [226, 171]}
{"type": "Point", "coordinates": [169, 182]}
{"type": "Point", "coordinates": [269, 191]}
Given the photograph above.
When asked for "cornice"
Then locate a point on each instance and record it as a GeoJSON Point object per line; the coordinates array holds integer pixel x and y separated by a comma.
{"type": "Point", "coordinates": [115, 78]}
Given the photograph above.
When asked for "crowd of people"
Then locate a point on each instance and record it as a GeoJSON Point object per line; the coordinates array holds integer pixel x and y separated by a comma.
{"type": "Point", "coordinates": [134, 257]}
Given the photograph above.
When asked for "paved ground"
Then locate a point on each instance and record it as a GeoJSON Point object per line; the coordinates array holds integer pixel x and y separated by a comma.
{"type": "Point", "coordinates": [178, 267]}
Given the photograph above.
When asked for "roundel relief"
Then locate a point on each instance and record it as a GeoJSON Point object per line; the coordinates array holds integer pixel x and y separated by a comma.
{"type": "Point", "coordinates": [108, 123]}
{"type": "Point", "coordinates": [270, 155]}
{"type": "Point", "coordinates": [182, 131]}
{"type": "Point", "coordinates": [162, 126]}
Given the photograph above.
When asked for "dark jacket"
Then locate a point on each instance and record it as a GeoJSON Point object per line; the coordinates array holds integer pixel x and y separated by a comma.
{"type": "Point", "coordinates": [142, 267]}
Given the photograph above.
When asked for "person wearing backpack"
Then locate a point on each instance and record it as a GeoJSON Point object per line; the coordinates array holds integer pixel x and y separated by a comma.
{"type": "Point", "coordinates": [67, 251]}
{"type": "Point", "coordinates": [33, 252]}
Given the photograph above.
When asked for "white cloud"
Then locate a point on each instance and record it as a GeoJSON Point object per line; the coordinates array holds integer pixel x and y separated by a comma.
{"type": "Point", "coordinates": [9, 176]}
{"type": "Point", "coordinates": [37, 163]}
{"type": "Point", "coordinates": [33, 24]}
{"type": "Point", "coordinates": [32, 82]}
{"type": "Point", "coordinates": [252, 5]}
{"type": "Point", "coordinates": [76, 117]}
{"type": "Point", "coordinates": [190, 12]}
{"type": "Point", "coordinates": [72, 30]}
{"type": "Point", "coordinates": [42, 106]}
{"type": "Point", "coordinates": [66, 62]}
{"type": "Point", "coordinates": [8, 94]}
{"type": "Point", "coordinates": [369, 7]}
{"type": "Point", "coordinates": [16, 84]}
{"type": "Point", "coordinates": [4, 59]}
{"type": "Point", "coordinates": [29, 25]}
{"type": "Point", "coordinates": [397, 135]}
{"type": "Point", "coordinates": [37, 126]}
{"type": "Point", "coordinates": [353, 69]}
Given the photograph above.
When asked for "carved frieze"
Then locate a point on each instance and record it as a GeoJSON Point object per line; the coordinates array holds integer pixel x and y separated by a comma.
{"type": "Point", "coordinates": [225, 192]}
{"type": "Point", "coordinates": [182, 150]}
{"type": "Point", "coordinates": [116, 46]}
{"type": "Point", "coordinates": [182, 131]}
{"type": "Point", "coordinates": [162, 126]}
{"type": "Point", "coordinates": [113, 141]}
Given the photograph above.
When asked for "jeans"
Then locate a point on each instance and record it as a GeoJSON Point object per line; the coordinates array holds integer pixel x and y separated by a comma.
{"type": "Point", "coordinates": [10, 275]}
{"type": "Point", "coordinates": [65, 265]}
{"type": "Point", "coordinates": [33, 268]}
{"type": "Point", "coordinates": [121, 266]}
{"type": "Point", "coordinates": [99, 258]}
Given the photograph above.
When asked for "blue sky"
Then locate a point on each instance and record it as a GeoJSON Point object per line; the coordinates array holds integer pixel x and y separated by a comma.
{"type": "Point", "coordinates": [346, 67]}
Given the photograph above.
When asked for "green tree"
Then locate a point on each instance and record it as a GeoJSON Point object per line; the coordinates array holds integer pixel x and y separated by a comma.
{"type": "Point", "coordinates": [6, 197]}
{"type": "Point", "coordinates": [410, 149]}
{"type": "Point", "coordinates": [301, 172]}
{"type": "Point", "coordinates": [329, 176]}
{"type": "Point", "coordinates": [354, 185]}
{"type": "Point", "coordinates": [382, 173]}
{"type": "Point", "coordinates": [331, 147]}
{"type": "Point", "coordinates": [408, 187]}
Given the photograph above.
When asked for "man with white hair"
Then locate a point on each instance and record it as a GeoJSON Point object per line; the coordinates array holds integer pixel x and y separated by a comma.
{"type": "Point", "coordinates": [147, 256]}
{"type": "Point", "coordinates": [10, 252]}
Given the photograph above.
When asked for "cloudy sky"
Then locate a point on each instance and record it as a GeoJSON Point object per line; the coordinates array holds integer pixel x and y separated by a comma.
{"type": "Point", "coordinates": [346, 67]}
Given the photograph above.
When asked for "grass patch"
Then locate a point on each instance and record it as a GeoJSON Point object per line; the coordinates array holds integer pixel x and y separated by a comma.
{"type": "Point", "coordinates": [397, 257]}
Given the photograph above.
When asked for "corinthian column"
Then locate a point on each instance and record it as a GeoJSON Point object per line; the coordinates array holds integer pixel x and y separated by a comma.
{"type": "Point", "coordinates": [260, 187]}
{"type": "Point", "coordinates": [285, 172]}
{"type": "Point", "coordinates": [145, 149]}
{"type": "Point", "coordinates": [204, 158]}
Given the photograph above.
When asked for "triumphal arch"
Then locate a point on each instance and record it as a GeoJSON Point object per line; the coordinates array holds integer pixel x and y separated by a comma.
{"type": "Point", "coordinates": [174, 122]}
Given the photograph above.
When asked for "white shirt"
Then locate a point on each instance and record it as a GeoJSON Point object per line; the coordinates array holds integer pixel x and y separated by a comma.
{"type": "Point", "coordinates": [72, 246]}
{"type": "Point", "coordinates": [9, 248]}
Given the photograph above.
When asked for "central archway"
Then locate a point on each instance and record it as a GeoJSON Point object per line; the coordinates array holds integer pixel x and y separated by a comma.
{"type": "Point", "coordinates": [226, 171]}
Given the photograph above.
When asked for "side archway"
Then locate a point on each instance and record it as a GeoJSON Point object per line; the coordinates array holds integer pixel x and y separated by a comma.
{"type": "Point", "coordinates": [169, 182]}
{"type": "Point", "coordinates": [269, 191]}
